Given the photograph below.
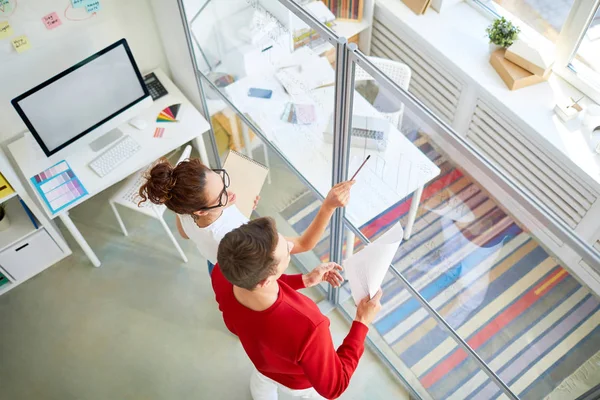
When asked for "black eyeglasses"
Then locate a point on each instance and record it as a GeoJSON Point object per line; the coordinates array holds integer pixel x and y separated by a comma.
{"type": "Point", "coordinates": [224, 196]}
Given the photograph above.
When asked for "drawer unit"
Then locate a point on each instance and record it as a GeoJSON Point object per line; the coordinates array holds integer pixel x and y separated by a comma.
{"type": "Point", "coordinates": [30, 255]}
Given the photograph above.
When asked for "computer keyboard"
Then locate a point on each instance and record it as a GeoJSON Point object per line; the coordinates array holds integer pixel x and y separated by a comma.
{"type": "Point", "coordinates": [368, 133]}
{"type": "Point", "coordinates": [115, 155]}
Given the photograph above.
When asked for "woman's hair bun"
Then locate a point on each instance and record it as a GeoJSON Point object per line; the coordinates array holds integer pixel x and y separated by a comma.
{"type": "Point", "coordinates": [159, 182]}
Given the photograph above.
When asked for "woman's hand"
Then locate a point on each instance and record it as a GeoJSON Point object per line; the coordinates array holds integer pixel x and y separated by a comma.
{"type": "Point", "coordinates": [256, 202]}
{"type": "Point", "coordinates": [339, 195]}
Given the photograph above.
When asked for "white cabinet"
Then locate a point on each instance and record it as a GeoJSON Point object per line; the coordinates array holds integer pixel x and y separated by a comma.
{"type": "Point", "coordinates": [30, 255]}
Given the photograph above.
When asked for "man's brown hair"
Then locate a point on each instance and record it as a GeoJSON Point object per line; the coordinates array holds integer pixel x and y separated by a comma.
{"type": "Point", "coordinates": [246, 254]}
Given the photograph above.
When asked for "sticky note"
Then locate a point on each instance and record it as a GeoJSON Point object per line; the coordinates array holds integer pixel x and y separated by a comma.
{"type": "Point", "coordinates": [5, 6]}
{"type": "Point", "coordinates": [21, 44]}
{"type": "Point", "coordinates": [92, 6]}
{"type": "Point", "coordinates": [51, 21]}
{"type": "Point", "coordinates": [5, 30]}
{"type": "Point", "coordinates": [78, 3]}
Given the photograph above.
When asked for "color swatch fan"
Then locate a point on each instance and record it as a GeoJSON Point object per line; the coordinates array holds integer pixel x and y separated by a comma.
{"type": "Point", "coordinates": [169, 114]}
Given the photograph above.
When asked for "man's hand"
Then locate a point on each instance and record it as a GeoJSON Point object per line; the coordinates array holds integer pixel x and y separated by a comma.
{"type": "Point", "coordinates": [256, 202]}
{"type": "Point", "coordinates": [339, 195]}
{"type": "Point", "coordinates": [368, 308]}
{"type": "Point", "coordinates": [328, 272]}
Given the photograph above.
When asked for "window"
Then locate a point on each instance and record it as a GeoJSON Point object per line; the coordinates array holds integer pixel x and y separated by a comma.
{"type": "Point", "coordinates": [547, 17]}
{"type": "Point", "coordinates": [573, 26]}
{"type": "Point", "coordinates": [588, 52]}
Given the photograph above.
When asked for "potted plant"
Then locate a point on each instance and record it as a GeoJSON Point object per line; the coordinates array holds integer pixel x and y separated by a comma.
{"type": "Point", "coordinates": [4, 221]}
{"type": "Point", "coordinates": [502, 33]}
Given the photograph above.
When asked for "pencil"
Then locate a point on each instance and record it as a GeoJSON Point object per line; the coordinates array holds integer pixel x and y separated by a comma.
{"type": "Point", "coordinates": [359, 168]}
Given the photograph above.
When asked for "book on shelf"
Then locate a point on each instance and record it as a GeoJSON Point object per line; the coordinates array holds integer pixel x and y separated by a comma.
{"type": "Point", "coordinates": [29, 214]}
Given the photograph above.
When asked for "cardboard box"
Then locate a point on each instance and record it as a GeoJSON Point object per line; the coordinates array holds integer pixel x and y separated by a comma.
{"type": "Point", "coordinates": [535, 60]}
{"type": "Point", "coordinates": [417, 6]}
{"type": "Point", "coordinates": [514, 76]}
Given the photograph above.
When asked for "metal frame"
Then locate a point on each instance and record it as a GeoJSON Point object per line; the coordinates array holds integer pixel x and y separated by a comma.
{"type": "Point", "coordinates": [188, 36]}
{"type": "Point", "coordinates": [347, 58]}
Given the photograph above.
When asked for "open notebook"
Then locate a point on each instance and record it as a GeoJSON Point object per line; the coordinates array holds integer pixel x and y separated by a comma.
{"type": "Point", "coordinates": [247, 178]}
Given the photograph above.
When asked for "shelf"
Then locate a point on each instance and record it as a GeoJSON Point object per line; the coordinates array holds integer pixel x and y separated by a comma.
{"type": "Point", "coordinates": [20, 224]}
{"type": "Point", "coordinates": [6, 287]}
{"type": "Point", "coordinates": [7, 198]}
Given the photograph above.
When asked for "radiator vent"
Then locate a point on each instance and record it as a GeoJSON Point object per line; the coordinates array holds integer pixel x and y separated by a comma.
{"type": "Point", "coordinates": [530, 167]}
{"type": "Point", "coordinates": [430, 83]}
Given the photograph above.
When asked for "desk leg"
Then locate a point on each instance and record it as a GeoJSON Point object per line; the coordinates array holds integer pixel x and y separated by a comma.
{"type": "Point", "coordinates": [350, 239]}
{"type": "Point", "coordinates": [235, 134]}
{"type": "Point", "coordinates": [412, 213]}
{"type": "Point", "coordinates": [80, 239]}
{"type": "Point", "coordinates": [202, 149]}
{"type": "Point", "coordinates": [247, 144]}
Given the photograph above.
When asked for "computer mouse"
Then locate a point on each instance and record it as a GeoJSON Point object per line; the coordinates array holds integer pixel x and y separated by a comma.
{"type": "Point", "coordinates": [138, 123]}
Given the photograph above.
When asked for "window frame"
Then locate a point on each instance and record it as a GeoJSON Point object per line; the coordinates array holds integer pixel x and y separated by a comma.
{"type": "Point", "coordinates": [570, 37]}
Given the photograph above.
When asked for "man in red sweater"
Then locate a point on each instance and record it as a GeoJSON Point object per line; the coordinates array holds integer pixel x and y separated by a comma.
{"type": "Point", "coordinates": [283, 332]}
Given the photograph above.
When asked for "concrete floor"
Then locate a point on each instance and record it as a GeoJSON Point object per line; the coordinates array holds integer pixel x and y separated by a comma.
{"type": "Point", "coordinates": [143, 326]}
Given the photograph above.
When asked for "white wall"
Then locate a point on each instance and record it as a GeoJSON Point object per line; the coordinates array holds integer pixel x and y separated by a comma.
{"type": "Point", "coordinates": [71, 43]}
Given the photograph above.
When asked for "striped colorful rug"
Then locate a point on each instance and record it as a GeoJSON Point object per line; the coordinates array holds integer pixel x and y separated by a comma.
{"type": "Point", "coordinates": [532, 322]}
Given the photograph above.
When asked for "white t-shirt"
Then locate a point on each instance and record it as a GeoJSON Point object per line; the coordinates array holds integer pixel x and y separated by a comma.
{"type": "Point", "coordinates": [207, 239]}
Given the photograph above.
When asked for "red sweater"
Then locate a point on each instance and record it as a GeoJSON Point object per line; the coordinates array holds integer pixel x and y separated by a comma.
{"type": "Point", "coordinates": [290, 341]}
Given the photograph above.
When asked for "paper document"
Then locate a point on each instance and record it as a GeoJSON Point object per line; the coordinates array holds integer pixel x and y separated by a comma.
{"type": "Point", "coordinates": [247, 178]}
{"type": "Point", "coordinates": [366, 269]}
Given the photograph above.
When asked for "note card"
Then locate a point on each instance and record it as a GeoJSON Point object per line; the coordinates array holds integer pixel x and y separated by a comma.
{"type": "Point", "coordinates": [21, 44]}
{"type": "Point", "coordinates": [79, 3]}
{"type": "Point", "coordinates": [92, 6]}
{"type": "Point", "coordinates": [5, 30]}
{"type": "Point", "coordinates": [52, 21]}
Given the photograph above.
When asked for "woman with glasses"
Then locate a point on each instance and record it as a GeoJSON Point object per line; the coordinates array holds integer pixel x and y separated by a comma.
{"type": "Point", "coordinates": [206, 210]}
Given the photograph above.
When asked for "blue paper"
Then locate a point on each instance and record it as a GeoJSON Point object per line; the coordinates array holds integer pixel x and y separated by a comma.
{"type": "Point", "coordinates": [58, 186]}
{"type": "Point", "coordinates": [79, 3]}
{"type": "Point", "coordinates": [92, 6]}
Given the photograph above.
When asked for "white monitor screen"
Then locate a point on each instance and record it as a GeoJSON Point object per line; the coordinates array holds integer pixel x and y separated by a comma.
{"type": "Point", "coordinates": [82, 98]}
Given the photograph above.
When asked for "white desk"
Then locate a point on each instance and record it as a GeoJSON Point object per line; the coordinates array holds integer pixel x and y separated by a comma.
{"type": "Point", "coordinates": [31, 160]}
{"type": "Point", "coordinates": [388, 177]}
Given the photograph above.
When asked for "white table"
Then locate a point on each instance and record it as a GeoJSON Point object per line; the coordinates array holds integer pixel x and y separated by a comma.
{"type": "Point", "coordinates": [392, 174]}
{"type": "Point", "coordinates": [31, 160]}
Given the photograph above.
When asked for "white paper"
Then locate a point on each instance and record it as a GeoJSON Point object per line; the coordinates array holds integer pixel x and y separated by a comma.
{"type": "Point", "coordinates": [365, 270]}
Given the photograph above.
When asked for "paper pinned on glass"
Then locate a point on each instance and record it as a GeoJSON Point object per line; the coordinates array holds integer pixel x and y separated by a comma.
{"type": "Point", "coordinates": [366, 269]}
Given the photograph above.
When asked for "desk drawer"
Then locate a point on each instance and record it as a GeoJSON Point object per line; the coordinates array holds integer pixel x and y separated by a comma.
{"type": "Point", "coordinates": [29, 256]}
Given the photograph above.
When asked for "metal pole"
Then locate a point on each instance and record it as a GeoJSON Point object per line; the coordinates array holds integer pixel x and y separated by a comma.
{"type": "Point", "coordinates": [186, 28]}
{"type": "Point", "coordinates": [342, 126]}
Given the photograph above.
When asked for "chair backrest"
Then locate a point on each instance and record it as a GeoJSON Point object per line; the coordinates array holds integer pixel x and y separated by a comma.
{"type": "Point", "coordinates": [398, 72]}
{"type": "Point", "coordinates": [185, 154]}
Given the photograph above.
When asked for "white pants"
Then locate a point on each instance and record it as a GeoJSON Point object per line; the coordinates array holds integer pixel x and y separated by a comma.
{"type": "Point", "coordinates": [263, 388]}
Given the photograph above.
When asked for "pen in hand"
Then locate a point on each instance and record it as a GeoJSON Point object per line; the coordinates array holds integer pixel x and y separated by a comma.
{"type": "Point", "coordinates": [359, 168]}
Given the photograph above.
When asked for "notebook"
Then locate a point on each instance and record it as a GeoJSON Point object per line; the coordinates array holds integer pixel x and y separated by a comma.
{"type": "Point", "coordinates": [247, 178]}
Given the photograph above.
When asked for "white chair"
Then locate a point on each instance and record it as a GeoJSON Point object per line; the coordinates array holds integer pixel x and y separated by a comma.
{"type": "Point", "coordinates": [399, 73]}
{"type": "Point", "coordinates": [128, 196]}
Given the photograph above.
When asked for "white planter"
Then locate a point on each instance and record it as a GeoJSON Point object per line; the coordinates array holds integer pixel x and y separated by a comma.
{"type": "Point", "coordinates": [4, 223]}
{"type": "Point", "coordinates": [494, 47]}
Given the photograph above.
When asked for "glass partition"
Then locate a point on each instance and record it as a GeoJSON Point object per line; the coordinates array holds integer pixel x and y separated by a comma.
{"type": "Point", "coordinates": [258, 74]}
{"type": "Point", "coordinates": [475, 306]}
{"type": "Point", "coordinates": [493, 283]}
{"type": "Point", "coordinates": [284, 197]}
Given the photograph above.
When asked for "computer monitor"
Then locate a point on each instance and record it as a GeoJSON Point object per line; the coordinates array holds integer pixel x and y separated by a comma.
{"type": "Point", "coordinates": [91, 98]}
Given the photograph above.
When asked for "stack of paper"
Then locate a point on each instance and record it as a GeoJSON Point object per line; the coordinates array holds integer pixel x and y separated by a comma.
{"type": "Point", "coordinates": [366, 269]}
